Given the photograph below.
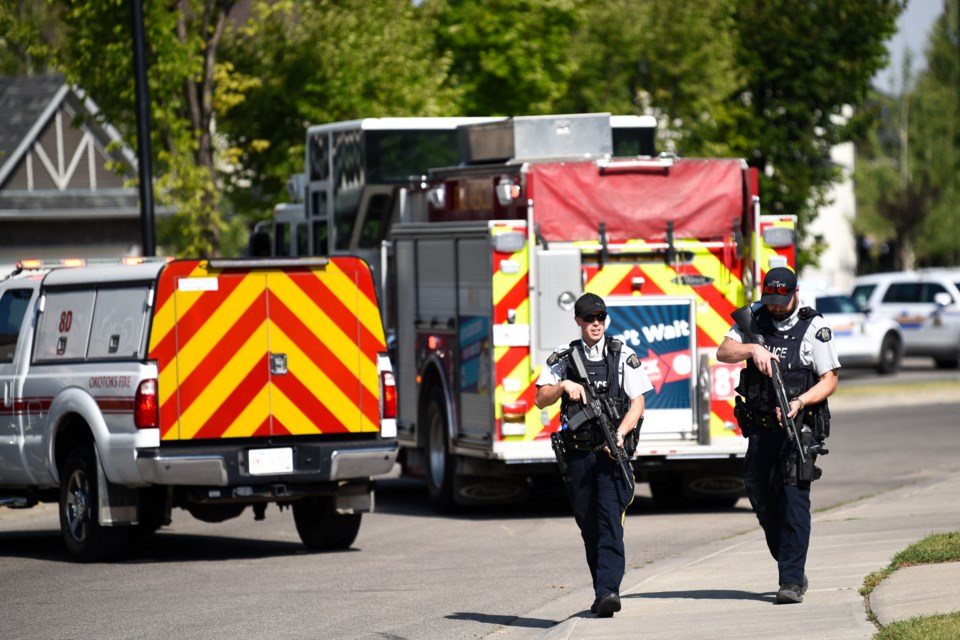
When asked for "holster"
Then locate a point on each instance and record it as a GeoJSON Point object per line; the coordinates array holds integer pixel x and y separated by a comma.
{"type": "Point", "coordinates": [795, 472]}
{"type": "Point", "coordinates": [556, 441]}
{"type": "Point", "coordinates": [742, 416]}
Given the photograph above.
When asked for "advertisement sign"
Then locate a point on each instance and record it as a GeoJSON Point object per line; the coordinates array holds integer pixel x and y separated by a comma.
{"type": "Point", "coordinates": [662, 332]}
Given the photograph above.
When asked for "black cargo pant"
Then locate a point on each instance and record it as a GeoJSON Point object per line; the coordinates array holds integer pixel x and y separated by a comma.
{"type": "Point", "coordinates": [782, 509]}
{"type": "Point", "coordinates": [599, 497]}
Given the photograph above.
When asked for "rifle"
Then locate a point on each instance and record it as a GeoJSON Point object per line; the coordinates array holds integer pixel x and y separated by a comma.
{"type": "Point", "coordinates": [602, 409]}
{"type": "Point", "coordinates": [744, 317]}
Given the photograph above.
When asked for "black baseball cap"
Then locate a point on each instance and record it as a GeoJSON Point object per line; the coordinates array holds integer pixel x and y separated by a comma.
{"type": "Point", "coordinates": [779, 285]}
{"type": "Point", "coordinates": [587, 304]}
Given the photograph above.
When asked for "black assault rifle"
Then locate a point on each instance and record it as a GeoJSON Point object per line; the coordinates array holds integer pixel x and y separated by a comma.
{"type": "Point", "coordinates": [744, 318]}
{"type": "Point", "coordinates": [602, 409]}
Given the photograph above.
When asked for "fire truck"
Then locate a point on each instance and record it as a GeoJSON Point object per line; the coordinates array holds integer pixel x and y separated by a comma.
{"type": "Point", "coordinates": [483, 258]}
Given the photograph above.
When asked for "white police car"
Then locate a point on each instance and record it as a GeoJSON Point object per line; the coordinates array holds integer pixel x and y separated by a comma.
{"type": "Point", "coordinates": [862, 339]}
{"type": "Point", "coordinates": [925, 303]}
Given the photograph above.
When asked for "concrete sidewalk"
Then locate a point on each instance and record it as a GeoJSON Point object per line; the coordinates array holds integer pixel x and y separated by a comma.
{"type": "Point", "coordinates": [727, 589]}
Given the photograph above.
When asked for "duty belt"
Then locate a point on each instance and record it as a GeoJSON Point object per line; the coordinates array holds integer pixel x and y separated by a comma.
{"type": "Point", "coordinates": [765, 420]}
{"type": "Point", "coordinates": [582, 440]}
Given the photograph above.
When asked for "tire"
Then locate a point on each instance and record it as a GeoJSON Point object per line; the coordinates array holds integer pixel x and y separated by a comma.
{"type": "Point", "coordinates": [321, 528]}
{"type": "Point", "coordinates": [891, 355]}
{"type": "Point", "coordinates": [668, 493]}
{"type": "Point", "coordinates": [949, 363]}
{"type": "Point", "coordinates": [86, 540]}
{"type": "Point", "coordinates": [683, 491]}
{"type": "Point", "coordinates": [439, 461]}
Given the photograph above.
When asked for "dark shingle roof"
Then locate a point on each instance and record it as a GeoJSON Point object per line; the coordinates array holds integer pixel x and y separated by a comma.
{"type": "Point", "coordinates": [22, 101]}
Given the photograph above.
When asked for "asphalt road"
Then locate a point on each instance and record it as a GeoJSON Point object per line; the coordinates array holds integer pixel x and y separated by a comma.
{"type": "Point", "coordinates": [411, 574]}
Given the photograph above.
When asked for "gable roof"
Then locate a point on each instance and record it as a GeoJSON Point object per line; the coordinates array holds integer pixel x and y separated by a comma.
{"type": "Point", "coordinates": [27, 107]}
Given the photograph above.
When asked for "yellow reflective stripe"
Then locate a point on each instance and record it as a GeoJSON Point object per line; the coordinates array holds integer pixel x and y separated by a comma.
{"type": "Point", "coordinates": [345, 287]}
{"type": "Point", "coordinates": [252, 416]}
{"type": "Point", "coordinates": [608, 278]}
{"type": "Point", "coordinates": [321, 386]}
{"type": "Point", "coordinates": [165, 318]}
{"type": "Point", "coordinates": [227, 314]}
{"type": "Point", "coordinates": [222, 384]}
{"type": "Point", "coordinates": [344, 347]}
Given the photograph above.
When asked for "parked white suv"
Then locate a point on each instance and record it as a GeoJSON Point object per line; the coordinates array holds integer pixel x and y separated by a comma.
{"type": "Point", "coordinates": [926, 303]}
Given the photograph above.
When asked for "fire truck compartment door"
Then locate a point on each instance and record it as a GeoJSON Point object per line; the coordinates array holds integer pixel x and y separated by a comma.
{"type": "Point", "coordinates": [662, 332]}
{"type": "Point", "coordinates": [561, 283]}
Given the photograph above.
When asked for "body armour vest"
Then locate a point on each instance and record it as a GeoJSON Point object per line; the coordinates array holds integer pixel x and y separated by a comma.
{"type": "Point", "coordinates": [602, 373]}
{"type": "Point", "coordinates": [757, 388]}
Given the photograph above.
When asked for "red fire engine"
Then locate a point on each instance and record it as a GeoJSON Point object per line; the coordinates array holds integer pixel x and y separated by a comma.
{"type": "Point", "coordinates": [482, 263]}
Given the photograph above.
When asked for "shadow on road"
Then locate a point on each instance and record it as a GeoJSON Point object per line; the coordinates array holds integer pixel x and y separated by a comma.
{"type": "Point", "coordinates": [161, 547]}
{"type": "Point", "coordinates": [503, 621]}
{"type": "Point", "coordinates": [408, 497]}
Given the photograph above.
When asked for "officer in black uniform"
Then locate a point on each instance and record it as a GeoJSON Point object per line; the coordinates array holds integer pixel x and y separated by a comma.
{"type": "Point", "coordinates": [598, 491]}
{"type": "Point", "coordinates": [777, 484]}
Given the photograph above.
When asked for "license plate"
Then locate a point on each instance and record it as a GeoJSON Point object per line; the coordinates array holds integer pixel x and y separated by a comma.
{"type": "Point", "coordinates": [266, 461]}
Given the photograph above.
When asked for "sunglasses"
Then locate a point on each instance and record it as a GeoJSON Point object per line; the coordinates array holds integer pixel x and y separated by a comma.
{"type": "Point", "coordinates": [769, 289]}
{"type": "Point", "coordinates": [594, 317]}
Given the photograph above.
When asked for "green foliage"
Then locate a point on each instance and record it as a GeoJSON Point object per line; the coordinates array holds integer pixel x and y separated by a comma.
{"type": "Point", "coordinates": [908, 175]}
{"type": "Point", "coordinates": [322, 61]}
{"type": "Point", "coordinates": [777, 83]}
{"type": "Point", "coordinates": [507, 57]}
{"type": "Point", "coordinates": [25, 26]}
{"type": "Point", "coordinates": [801, 69]}
{"type": "Point", "coordinates": [96, 53]}
{"type": "Point", "coordinates": [646, 65]}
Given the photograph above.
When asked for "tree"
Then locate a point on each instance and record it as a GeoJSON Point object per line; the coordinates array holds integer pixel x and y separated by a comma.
{"type": "Point", "coordinates": [25, 30]}
{"type": "Point", "coordinates": [934, 135]}
{"type": "Point", "coordinates": [799, 69]}
{"type": "Point", "coordinates": [507, 57]}
{"type": "Point", "coordinates": [183, 37]}
{"type": "Point", "coordinates": [908, 185]}
{"type": "Point", "coordinates": [303, 63]}
{"type": "Point", "coordinates": [635, 57]}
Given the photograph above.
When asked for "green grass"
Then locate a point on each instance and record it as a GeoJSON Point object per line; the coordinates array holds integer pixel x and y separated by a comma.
{"type": "Point", "coordinates": [940, 547]}
{"type": "Point", "coordinates": [942, 627]}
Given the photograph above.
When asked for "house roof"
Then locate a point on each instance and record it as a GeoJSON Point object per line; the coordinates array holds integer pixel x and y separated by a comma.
{"type": "Point", "coordinates": [29, 104]}
{"type": "Point", "coordinates": [23, 104]}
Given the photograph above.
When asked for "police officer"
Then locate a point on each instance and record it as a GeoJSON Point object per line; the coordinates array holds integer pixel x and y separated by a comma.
{"type": "Point", "coordinates": [777, 484]}
{"type": "Point", "coordinates": [598, 491]}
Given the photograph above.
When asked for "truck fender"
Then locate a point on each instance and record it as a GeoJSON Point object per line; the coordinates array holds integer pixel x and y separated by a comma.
{"type": "Point", "coordinates": [74, 401]}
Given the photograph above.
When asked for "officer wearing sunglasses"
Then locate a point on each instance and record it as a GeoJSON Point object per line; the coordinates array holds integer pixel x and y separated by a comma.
{"type": "Point", "coordinates": [801, 341]}
{"type": "Point", "coordinates": [598, 492]}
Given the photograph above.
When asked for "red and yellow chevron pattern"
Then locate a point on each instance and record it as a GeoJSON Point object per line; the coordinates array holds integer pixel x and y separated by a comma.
{"type": "Point", "coordinates": [720, 294]}
{"type": "Point", "coordinates": [215, 332]}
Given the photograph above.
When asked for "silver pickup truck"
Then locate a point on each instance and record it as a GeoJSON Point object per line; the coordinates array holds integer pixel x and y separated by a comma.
{"type": "Point", "coordinates": [211, 386]}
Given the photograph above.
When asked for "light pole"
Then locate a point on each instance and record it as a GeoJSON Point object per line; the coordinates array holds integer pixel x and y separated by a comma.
{"type": "Point", "coordinates": [143, 129]}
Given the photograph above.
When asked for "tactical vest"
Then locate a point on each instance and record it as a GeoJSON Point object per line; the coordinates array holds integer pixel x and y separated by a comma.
{"type": "Point", "coordinates": [757, 388]}
{"type": "Point", "coordinates": [603, 375]}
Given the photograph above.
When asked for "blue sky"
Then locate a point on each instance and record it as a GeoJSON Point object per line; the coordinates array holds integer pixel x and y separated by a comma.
{"type": "Point", "coordinates": [913, 27]}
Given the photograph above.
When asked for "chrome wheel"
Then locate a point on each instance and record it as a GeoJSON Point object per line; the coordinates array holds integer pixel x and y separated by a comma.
{"type": "Point", "coordinates": [76, 507]}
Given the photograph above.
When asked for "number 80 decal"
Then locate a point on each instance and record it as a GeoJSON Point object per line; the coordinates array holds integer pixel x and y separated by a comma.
{"type": "Point", "coordinates": [66, 321]}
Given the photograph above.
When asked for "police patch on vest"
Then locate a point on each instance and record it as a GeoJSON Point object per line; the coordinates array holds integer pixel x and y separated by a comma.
{"type": "Point", "coordinates": [633, 361]}
{"type": "Point", "coordinates": [824, 334]}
